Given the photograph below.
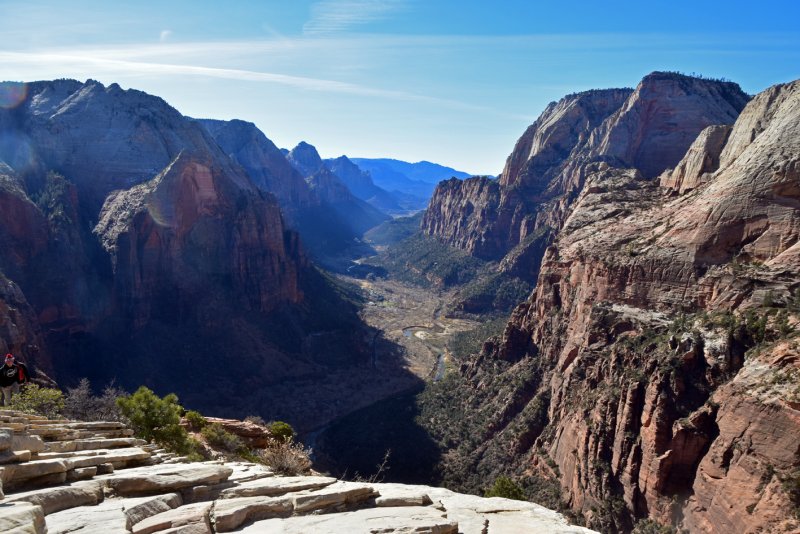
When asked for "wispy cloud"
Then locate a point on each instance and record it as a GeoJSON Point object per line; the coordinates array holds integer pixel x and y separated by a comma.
{"type": "Point", "coordinates": [332, 16]}
{"type": "Point", "coordinates": [103, 65]}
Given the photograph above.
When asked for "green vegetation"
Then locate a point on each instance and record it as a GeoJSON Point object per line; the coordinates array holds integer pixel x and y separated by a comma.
{"type": "Point", "coordinates": [497, 292]}
{"type": "Point", "coordinates": [34, 399]}
{"type": "Point", "coordinates": [424, 261]}
{"type": "Point", "coordinates": [649, 526]}
{"type": "Point", "coordinates": [394, 231]}
{"type": "Point", "coordinates": [506, 488]}
{"type": "Point", "coordinates": [281, 431]}
{"type": "Point", "coordinates": [464, 344]}
{"type": "Point", "coordinates": [156, 419]}
{"type": "Point", "coordinates": [216, 436]}
{"type": "Point", "coordinates": [53, 200]}
{"type": "Point", "coordinates": [196, 420]}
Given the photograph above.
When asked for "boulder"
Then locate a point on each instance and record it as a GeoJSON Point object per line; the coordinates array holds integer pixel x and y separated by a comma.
{"type": "Point", "coordinates": [183, 516]}
{"type": "Point", "coordinates": [165, 480]}
{"type": "Point", "coordinates": [22, 518]}
{"type": "Point", "coordinates": [276, 486]}
{"type": "Point", "coordinates": [384, 520]}
{"type": "Point", "coordinates": [62, 497]}
{"type": "Point", "coordinates": [230, 514]}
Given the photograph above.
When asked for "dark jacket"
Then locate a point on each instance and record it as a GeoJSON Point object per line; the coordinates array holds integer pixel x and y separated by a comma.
{"type": "Point", "coordinates": [10, 375]}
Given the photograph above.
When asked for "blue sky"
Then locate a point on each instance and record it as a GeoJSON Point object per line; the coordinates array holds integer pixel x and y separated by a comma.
{"type": "Point", "coordinates": [451, 82]}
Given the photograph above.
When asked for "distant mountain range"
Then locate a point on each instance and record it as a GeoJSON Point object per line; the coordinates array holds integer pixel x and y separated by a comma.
{"type": "Point", "coordinates": [414, 182]}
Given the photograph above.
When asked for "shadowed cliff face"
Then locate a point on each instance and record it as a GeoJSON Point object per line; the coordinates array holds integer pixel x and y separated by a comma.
{"type": "Point", "coordinates": [661, 338]}
{"type": "Point", "coordinates": [143, 251]}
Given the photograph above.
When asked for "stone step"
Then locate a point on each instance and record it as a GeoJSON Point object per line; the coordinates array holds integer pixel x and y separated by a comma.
{"type": "Point", "coordinates": [272, 486]}
{"type": "Point", "coordinates": [407, 519]}
{"type": "Point", "coordinates": [37, 473]}
{"type": "Point", "coordinates": [22, 517]}
{"type": "Point", "coordinates": [337, 497]}
{"type": "Point", "coordinates": [13, 457]}
{"type": "Point", "coordinates": [59, 498]}
{"type": "Point", "coordinates": [81, 473]}
{"type": "Point", "coordinates": [193, 517]}
{"type": "Point", "coordinates": [163, 479]}
{"type": "Point", "coordinates": [117, 457]}
{"type": "Point", "coordinates": [88, 444]}
{"type": "Point", "coordinates": [230, 514]}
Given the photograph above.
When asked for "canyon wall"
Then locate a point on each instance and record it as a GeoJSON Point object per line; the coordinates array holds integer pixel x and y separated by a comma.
{"type": "Point", "coordinates": [653, 371]}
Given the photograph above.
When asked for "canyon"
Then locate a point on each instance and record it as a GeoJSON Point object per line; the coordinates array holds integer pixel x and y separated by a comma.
{"type": "Point", "coordinates": [611, 322]}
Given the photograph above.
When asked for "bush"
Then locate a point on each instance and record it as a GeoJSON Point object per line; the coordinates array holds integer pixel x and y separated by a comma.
{"type": "Point", "coordinates": [281, 431]}
{"type": "Point", "coordinates": [506, 488]}
{"type": "Point", "coordinates": [649, 526]}
{"type": "Point", "coordinates": [255, 419]}
{"type": "Point", "coordinates": [219, 438]}
{"type": "Point", "coordinates": [287, 458]}
{"type": "Point", "coordinates": [155, 419]}
{"type": "Point", "coordinates": [81, 405]}
{"type": "Point", "coordinates": [37, 400]}
{"type": "Point", "coordinates": [196, 420]}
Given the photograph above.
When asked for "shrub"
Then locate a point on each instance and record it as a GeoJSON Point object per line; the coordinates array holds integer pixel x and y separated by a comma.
{"type": "Point", "coordinates": [81, 405]}
{"type": "Point", "coordinates": [219, 438]}
{"type": "Point", "coordinates": [287, 458]}
{"type": "Point", "coordinates": [155, 419]}
{"type": "Point", "coordinates": [649, 526]}
{"type": "Point", "coordinates": [281, 431]}
{"type": "Point", "coordinates": [196, 420]}
{"type": "Point", "coordinates": [37, 400]}
{"type": "Point", "coordinates": [255, 419]}
{"type": "Point", "coordinates": [507, 488]}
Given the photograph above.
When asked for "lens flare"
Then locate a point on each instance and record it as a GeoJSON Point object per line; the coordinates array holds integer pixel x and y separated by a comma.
{"type": "Point", "coordinates": [12, 94]}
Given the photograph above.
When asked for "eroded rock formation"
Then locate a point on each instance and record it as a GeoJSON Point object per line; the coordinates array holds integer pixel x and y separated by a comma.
{"type": "Point", "coordinates": [69, 476]}
{"type": "Point", "coordinates": [653, 372]}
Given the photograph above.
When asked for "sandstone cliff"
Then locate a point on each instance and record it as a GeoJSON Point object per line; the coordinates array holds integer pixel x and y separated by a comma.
{"type": "Point", "coordinates": [649, 128]}
{"type": "Point", "coordinates": [652, 373]}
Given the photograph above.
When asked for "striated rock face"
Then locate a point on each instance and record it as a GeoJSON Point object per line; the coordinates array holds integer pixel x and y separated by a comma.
{"type": "Point", "coordinates": [264, 162]}
{"type": "Point", "coordinates": [465, 215]}
{"type": "Point", "coordinates": [192, 219]}
{"type": "Point", "coordinates": [700, 161]}
{"type": "Point", "coordinates": [649, 128]}
{"type": "Point", "coordinates": [652, 373]}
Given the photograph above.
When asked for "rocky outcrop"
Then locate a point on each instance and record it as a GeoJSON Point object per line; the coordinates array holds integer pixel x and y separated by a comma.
{"type": "Point", "coordinates": [105, 488]}
{"type": "Point", "coordinates": [649, 128]}
{"type": "Point", "coordinates": [651, 373]}
{"type": "Point", "coordinates": [264, 162]}
{"type": "Point", "coordinates": [191, 219]}
{"type": "Point", "coordinates": [700, 161]}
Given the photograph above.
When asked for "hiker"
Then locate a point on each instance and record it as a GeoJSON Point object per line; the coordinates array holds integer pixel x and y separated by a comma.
{"type": "Point", "coordinates": [12, 375]}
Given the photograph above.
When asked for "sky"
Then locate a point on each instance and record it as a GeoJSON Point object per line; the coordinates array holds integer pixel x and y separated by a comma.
{"type": "Point", "coordinates": [453, 82]}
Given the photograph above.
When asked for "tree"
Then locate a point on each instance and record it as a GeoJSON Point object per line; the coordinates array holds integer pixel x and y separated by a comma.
{"type": "Point", "coordinates": [506, 488]}
{"type": "Point", "coordinates": [155, 419]}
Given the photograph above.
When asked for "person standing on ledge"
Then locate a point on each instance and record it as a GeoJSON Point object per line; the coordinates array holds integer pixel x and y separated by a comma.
{"type": "Point", "coordinates": [12, 374]}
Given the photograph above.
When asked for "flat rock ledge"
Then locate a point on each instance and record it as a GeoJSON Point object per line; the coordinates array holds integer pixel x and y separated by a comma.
{"type": "Point", "coordinates": [63, 476]}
